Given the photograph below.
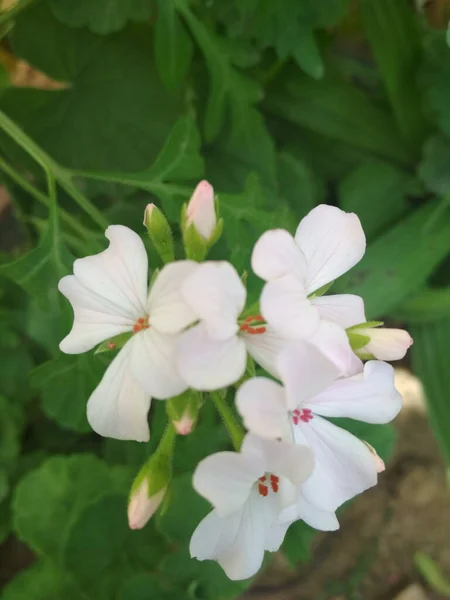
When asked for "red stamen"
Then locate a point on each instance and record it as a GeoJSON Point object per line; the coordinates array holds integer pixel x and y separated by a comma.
{"type": "Point", "coordinates": [263, 490]}
{"type": "Point", "coordinates": [247, 328]}
{"type": "Point", "coordinates": [274, 482]}
{"type": "Point", "coordinates": [141, 323]}
{"type": "Point", "coordinates": [263, 478]}
{"type": "Point", "coordinates": [305, 415]}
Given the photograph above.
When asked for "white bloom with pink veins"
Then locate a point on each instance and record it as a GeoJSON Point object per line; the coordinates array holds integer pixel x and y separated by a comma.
{"type": "Point", "coordinates": [328, 243]}
{"type": "Point", "coordinates": [250, 491]}
{"type": "Point", "coordinates": [201, 211]}
{"type": "Point", "coordinates": [213, 353]}
{"type": "Point", "coordinates": [109, 296]}
{"type": "Point", "coordinates": [344, 465]}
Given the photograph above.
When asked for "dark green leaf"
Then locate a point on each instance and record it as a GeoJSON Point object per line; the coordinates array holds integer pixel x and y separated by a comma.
{"type": "Point", "coordinates": [102, 16]}
{"type": "Point", "coordinates": [144, 586]}
{"type": "Point", "coordinates": [298, 184]}
{"type": "Point", "coordinates": [42, 581]}
{"type": "Point", "coordinates": [429, 305]}
{"type": "Point", "coordinates": [11, 425]}
{"type": "Point", "coordinates": [65, 384]}
{"type": "Point", "coordinates": [297, 543]}
{"type": "Point", "coordinates": [173, 46]}
{"type": "Point", "coordinates": [115, 113]}
{"type": "Point", "coordinates": [433, 169]}
{"type": "Point", "coordinates": [307, 55]}
{"type": "Point", "coordinates": [376, 192]}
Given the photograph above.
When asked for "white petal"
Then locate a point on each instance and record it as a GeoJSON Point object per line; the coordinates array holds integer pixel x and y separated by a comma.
{"type": "Point", "coordinates": [153, 364]}
{"type": "Point", "coordinates": [95, 318]}
{"type": "Point", "coordinates": [207, 364]}
{"type": "Point", "coordinates": [168, 310]}
{"type": "Point", "coordinates": [201, 211]}
{"type": "Point", "coordinates": [305, 371]}
{"type": "Point", "coordinates": [320, 519]}
{"type": "Point", "coordinates": [386, 344]}
{"type": "Point", "coordinates": [345, 310]}
{"type": "Point", "coordinates": [264, 348]}
{"type": "Point", "coordinates": [226, 479]}
{"type": "Point", "coordinates": [217, 295]}
{"type": "Point", "coordinates": [276, 254]}
{"type": "Point", "coordinates": [344, 466]}
{"type": "Point", "coordinates": [285, 306]}
{"type": "Point", "coordinates": [295, 462]}
{"type": "Point", "coordinates": [118, 407]}
{"type": "Point", "coordinates": [332, 341]}
{"type": "Point", "coordinates": [262, 405]}
{"type": "Point", "coordinates": [236, 542]}
{"type": "Point", "coordinates": [332, 241]}
{"type": "Point", "coordinates": [369, 397]}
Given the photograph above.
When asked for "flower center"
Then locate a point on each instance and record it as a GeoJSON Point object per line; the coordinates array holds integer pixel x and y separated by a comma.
{"type": "Point", "coordinates": [268, 482]}
{"type": "Point", "coordinates": [141, 323]}
{"type": "Point", "coordinates": [304, 415]}
{"type": "Point", "coordinates": [248, 326]}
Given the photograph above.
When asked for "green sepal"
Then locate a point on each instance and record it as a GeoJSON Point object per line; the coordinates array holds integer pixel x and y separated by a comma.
{"type": "Point", "coordinates": [367, 325]}
{"type": "Point", "coordinates": [195, 245]}
{"type": "Point", "coordinates": [119, 341]}
{"type": "Point", "coordinates": [357, 341]}
{"type": "Point", "coordinates": [252, 310]}
{"type": "Point", "coordinates": [186, 404]}
{"type": "Point", "coordinates": [160, 234]}
{"type": "Point", "coordinates": [322, 290]}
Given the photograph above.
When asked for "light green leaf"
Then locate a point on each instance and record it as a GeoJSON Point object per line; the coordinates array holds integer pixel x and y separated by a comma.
{"type": "Point", "coordinates": [428, 306]}
{"type": "Point", "coordinates": [339, 112]}
{"type": "Point", "coordinates": [398, 263]}
{"type": "Point", "coordinates": [430, 362]}
{"type": "Point", "coordinates": [102, 16]}
{"type": "Point", "coordinates": [65, 384]}
{"type": "Point", "coordinates": [115, 113]}
{"type": "Point", "coordinates": [173, 46]}
{"type": "Point", "coordinates": [50, 497]}
{"type": "Point", "coordinates": [42, 581]}
{"type": "Point", "coordinates": [376, 191]}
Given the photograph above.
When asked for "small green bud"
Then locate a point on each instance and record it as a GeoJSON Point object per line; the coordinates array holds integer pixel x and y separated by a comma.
{"type": "Point", "coordinates": [183, 411]}
{"type": "Point", "coordinates": [160, 233]}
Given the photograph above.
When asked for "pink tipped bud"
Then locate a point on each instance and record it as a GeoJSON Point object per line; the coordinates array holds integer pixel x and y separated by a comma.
{"type": "Point", "coordinates": [184, 425]}
{"type": "Point", "coordinates": [378, 462]}
{"type": "Point", "coordinates": [148, 213]}
{"type": "Point", "coordinates": [142, 506]}
{"type": "Point", "coordinates": [387, 344]}
{"type": "Point", "coordinates": [201, 211]}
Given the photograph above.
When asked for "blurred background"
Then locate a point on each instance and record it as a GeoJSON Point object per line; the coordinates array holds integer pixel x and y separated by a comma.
{"type": "Point", "coordinates": [281, 105]}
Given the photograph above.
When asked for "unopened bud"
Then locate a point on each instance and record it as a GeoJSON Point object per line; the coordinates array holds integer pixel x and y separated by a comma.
{"type": "Point", "coordinates": [201, 212]}
{"type": "Point", "coordinates": [184, 425]}
{"type": "Point", "coordinates": [383, 343]}
{"type": "Point", "coordinates": [183, 411]}
{"type": "Point", "coordinates": [142, 506]}
{"type": "Point", "coordinates": [200, 225]}
{"type": "Point", "coordinates": [160, 233]}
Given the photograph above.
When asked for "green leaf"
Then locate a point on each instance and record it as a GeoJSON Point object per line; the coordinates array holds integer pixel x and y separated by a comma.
{"type": "Point", "coordinates": [173, 46]}
{"type": "Point", "coordinates": [65, 384]}
{"type": "Point", "coordinates": [298, 184]}
{"type": "Point", "coordinates": [398, 263]}
{"type": "Point", "coordinates": [307, 55]}
{"type": "Point", "coordinates": [101, 16]}
{"type": "Point", "coordinates": [429, 361]}
{"type": "Point", "coordinates": [42, 581]}
{"type": "Point", "coordinates": [376, 192]}
{"type": "Point", "coordinates": [176, 522]}
{"type": "Point", "coordinates": [433, 168]}
{"type": "Point", "coordinates": [144, 586]}
{"type": "Point", "coordinates": [228, 87]}
{"type": "Point", "coordinates": [339, 112]}
{"type": "Point", "coordinates": [432, 574]}
{"type": "Point", "coordinates": [49, 498]}
{"type": "Point", "coordinates": [297, 543]}
{"type": "Point", "coordinates": [427, 306]}
{"type": "Point", "coordinates": [393, 32]}
{"type": "Point", "coordinates": [11, 425]}
{"type": "Point", "coordinates": [114, 115]}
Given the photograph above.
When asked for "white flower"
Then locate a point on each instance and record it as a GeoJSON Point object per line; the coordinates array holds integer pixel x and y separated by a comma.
{"type": "Point", "coordinates": [201, 211]}
{"type": "Point", "coordinates": [328, 242]}
{"type": "Point", "coordinates": [213, 353]}
{"type": "Point", "coordinates": [250, 491]}
{"type": "Point", "coordinates": [344, 465]}
{"type": "Point", "coordinates": [109, 296]}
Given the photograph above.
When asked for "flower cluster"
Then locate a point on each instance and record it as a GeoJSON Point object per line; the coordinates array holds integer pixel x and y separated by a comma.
{"type": "Point", "coordinates": [191, 331]}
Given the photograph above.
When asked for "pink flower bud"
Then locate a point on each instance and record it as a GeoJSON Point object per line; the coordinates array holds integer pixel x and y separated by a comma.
{"type": "Point", "coordinates": [201, 211]}
{"type": "Point", "coordinates": [386, 344]}
{"type": "Point", "coordinates": [184, 425]}
{"type": "Point", "coordinates": [148, 213]}
{"type": "Point", "coordinates": [142, 506]}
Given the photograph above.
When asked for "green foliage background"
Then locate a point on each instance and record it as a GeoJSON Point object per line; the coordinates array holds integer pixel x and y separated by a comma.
{"type": "Point", "coordinates": [281, 105]}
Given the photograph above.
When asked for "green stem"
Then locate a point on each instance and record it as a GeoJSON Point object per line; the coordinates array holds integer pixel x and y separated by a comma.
{"type": "Point", "coordinates": [9, 14]}
{"type": "Point", "coordinates": [43, 199]}
{"type": "Point", "coordinates": [60, 174]}
{"type": "Point", "coordinates": [233, 426]}
{"type": "Point", "coordinates": [166, 443]}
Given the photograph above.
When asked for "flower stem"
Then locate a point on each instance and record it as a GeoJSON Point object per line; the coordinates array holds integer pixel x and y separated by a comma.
{"type": "Point", "coordinates": [233, 426]}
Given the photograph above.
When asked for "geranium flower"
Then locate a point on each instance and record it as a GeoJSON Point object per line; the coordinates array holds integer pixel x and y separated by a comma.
{"type": "Point", "coordinates": [109, 296]}
{"type": "Point", "coordinates": [328, 243]}
{"type": "Point", "coordinates": [344, 465]}
{"type": "Point", "coordinates": [250, 491]}
{"type": "Point", "coordinates": [213, 353]}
